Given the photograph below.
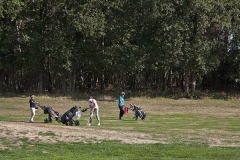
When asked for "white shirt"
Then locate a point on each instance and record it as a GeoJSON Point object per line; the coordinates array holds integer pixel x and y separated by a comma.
{"type": "Point", "coordinates": [92, 103]}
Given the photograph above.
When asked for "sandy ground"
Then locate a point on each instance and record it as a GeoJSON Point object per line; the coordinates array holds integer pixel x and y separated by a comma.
{"type": "Point", "coordinates": [46, 133]}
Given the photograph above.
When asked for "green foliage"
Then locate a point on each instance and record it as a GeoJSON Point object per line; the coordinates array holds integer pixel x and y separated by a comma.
{"type": "Point", "coordinates": [9, 14]}
{"type": "Point", "coordinates": [146, 44]}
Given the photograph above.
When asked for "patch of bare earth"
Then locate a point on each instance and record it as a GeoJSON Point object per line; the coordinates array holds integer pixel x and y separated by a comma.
{"type": "Point", "coordinates": [46, 133]}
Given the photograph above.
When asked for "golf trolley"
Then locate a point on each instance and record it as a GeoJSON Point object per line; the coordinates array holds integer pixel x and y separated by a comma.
{"type": "Point", "coordinates": [137, 112]}
{"type": "Point", "coordinates": [67, 117]}
{"type": "Point", "coordinates": [51, 113]}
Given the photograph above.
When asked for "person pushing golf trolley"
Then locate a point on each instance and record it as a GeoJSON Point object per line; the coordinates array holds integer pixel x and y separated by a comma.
{"type": "Point", "coordinates": [94, 108]}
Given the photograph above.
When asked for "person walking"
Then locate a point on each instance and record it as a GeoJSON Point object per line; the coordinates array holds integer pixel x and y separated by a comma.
{"type": "Point", "coordinates": [94, 108]}
{"type": "Point", "coordinates": [33, 104]}
{"type": "Point", "coordinates": [121, 105]}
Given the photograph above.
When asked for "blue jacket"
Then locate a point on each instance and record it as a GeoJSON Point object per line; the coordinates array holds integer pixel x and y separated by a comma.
{"type": "Point", "coordinates": [120, 101]}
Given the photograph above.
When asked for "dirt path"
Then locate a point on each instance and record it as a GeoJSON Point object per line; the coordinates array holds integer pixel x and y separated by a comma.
{"type": "Point", "coordinates": [46, 133]}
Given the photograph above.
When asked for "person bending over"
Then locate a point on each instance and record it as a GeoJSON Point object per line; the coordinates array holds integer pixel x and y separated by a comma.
{"type": "Point", "coordinates": [94, 108]}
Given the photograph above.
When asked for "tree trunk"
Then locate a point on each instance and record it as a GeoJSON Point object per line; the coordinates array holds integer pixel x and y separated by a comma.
{"type": "Point", "coordinates": [50, 87]}
{"type": "Point", "coordinates": [102, 81]}
{"type": "Point", "coordinates": [193, 82]}
{"type": "Point", "coordinates": [164, 75]}
{"type": "Point", "coordinates": [64, 85]}
{"type": "Point", "coordinates": [69, 83]}
{"type": "Point", "coordinates": [1, 80]}
{"type": "Point", "coordinates": [73, 80]}
{"type": "Point", "coordinates": [186, 85]}
{"type": "Point", "coordinates": [40, 83]}
{"type": "Point", "coordinates": [169, 80]}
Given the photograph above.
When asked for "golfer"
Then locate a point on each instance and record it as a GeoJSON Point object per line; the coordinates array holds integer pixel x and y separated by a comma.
{"type": "Point", "coordinates": [121, 105]}
{"type": "Point", "coordinates": [94, 108]}
{"type": "Point", "coordinates": [32, 108]}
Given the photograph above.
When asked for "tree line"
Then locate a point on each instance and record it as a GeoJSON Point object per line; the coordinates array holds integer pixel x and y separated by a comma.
{"type": "Point", "coordinates": [67, 46]}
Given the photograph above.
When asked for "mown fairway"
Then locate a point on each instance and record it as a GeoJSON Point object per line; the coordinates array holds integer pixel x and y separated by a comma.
{"type": "Point", "coordinates": [173, 129]}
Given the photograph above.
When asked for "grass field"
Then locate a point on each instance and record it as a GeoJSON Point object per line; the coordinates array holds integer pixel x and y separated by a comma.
{"type": "Point", "coordinates": [173, 129]}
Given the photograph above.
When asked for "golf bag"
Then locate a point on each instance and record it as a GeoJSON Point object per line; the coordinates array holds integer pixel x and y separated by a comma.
{"type": "Point", "coordinates": [137, 112]}
{"type": "Point", "coordinates": [51, 113]}
{"type": "Point", "coordinates": [67, 117]}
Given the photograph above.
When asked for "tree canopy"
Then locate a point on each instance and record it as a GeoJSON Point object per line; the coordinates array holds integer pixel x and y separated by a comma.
{"type": "Point", "coordinates": [69, 46]}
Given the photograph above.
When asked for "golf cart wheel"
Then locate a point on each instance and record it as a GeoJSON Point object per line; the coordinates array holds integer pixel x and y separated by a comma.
{"type": "Point", "coordinates": [46, 120]}
{"type": "Point", "coordinates": [77, 123]}
{"type": "Point", "coordinates": [71, 123]}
